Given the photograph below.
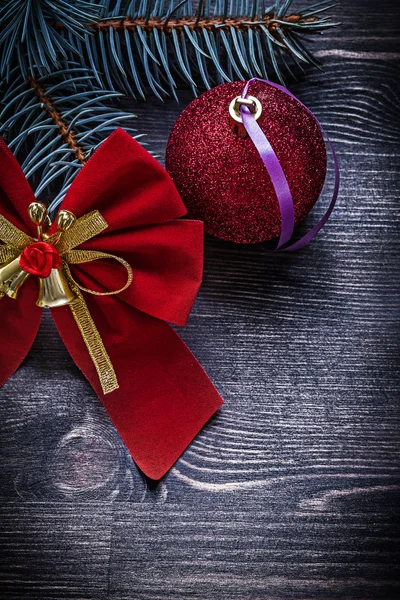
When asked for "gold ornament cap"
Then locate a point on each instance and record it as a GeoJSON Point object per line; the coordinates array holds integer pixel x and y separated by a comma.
{"type": "Point", "coordinates": [65, 220]}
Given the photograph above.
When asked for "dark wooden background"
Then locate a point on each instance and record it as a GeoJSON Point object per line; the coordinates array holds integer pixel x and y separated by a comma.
{"type": "Point", "coordinates": [292, 490]}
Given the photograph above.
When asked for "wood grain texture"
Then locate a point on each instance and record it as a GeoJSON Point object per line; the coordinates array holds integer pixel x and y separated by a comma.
{"type": "Point", "coordinates": [292, 489]}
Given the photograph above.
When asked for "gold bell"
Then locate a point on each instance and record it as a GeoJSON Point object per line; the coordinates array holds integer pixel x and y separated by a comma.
{"type": "Point", "coordinates": [54, 290]}
{"type": "Point", "coordinates": [12, 278]}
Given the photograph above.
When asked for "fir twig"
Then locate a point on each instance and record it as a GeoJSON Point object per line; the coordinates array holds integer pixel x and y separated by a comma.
{"type": "Point", "coordinates": [195, 24]}
{"type": "Point", "coordinates": [67, 134]}
{"type": "Point", "coordinates": [132, 46]}
{"type": "Point", "coordinates": [54, 123]}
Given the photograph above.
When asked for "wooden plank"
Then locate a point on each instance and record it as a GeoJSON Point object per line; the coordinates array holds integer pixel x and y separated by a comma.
{"type": "Point", "coordinates": [292, 490]}
{"type": "Point", "coordinates": [327, 553]}
{"type": "Point", "coordinates": [54, 550]}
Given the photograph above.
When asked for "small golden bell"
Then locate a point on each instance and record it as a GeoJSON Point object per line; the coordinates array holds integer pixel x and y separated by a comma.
{"type": "Point", "coordinates": [11, 278]}
{"type": "Point", "coordinates": [54, 290]}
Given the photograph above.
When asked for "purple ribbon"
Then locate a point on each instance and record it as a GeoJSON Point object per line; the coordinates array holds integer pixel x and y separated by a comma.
{"type": "Point", "coordinates": [278, 178]}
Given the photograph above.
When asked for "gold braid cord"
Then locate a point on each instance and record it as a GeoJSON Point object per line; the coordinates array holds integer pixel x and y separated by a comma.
{"type": "Point", "coordinates": [12, 236]}
{"type": "Point", "coordinates": [83, 230]}
{"type": "Point", "coordinates": [7, 253]}
{"type": "Point", "coordinates": [92, 338]}
{"type": "Point", "coordinates": [77, 257]}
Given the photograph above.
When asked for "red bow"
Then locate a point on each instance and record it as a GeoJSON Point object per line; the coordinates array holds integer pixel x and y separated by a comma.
{"type": "Point", "coordinates": [164, 397]}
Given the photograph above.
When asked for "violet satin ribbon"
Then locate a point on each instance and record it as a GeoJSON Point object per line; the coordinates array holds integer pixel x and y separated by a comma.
{"type": "Point", "coordinates": [278, 178]}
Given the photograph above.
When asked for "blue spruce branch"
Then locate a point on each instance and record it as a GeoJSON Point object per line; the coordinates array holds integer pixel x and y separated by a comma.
{"type": "Point", "coordinates": [54, 123]}
{"type": "Point", "coordinates": [132, 46]}
{"type": "Point", "coordinates": [65, 63]}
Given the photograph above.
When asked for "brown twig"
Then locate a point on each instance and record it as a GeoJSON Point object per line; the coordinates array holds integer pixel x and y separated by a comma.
{"type": "Point", "coordinates": [242, 23]}
{"type": "Point", "coordinates": [68, 135]}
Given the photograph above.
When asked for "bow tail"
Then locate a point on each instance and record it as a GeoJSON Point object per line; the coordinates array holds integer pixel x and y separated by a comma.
{"type": "Point", "coordinates": [19, 325]}
{"type": "Point", "coordinates": [164, 396]}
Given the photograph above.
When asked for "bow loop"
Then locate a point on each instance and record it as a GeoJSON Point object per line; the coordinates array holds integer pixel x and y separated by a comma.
{"type": "Point", "coordinates": [167, 264]}
{"type": "Point", "coordinates": [126, 185]}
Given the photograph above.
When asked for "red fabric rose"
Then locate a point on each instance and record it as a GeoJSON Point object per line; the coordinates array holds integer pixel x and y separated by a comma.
{"type": "Point", "coordinates": [39, 259]}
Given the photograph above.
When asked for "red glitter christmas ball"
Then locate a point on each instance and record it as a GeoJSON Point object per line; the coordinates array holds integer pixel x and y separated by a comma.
{"type": "Point", "coordinates": [221, 176]}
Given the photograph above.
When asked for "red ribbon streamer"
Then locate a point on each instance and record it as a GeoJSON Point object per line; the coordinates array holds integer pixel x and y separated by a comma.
{"type": "Point", "coordinates": [165, 397]}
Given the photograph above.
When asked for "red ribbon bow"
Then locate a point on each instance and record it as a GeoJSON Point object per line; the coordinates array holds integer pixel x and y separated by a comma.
{"type": "Point", "coordinates": [164, 397]}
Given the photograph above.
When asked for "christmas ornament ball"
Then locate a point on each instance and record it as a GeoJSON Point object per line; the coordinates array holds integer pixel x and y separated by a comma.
{"type": "Point", "coordinates": [221, 176]}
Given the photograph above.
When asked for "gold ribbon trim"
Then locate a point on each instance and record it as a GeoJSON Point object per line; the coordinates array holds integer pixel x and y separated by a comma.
{"type": "Point", "coordinates": [77, 257]}
{"type": "Point", "coordinates": [81, 231]}
{"type": "Point", "coordinates": [92, 338]}
{"type": "Point", "coordinates": [7, 253]}
{"type": "Point", "coordinates": [12, 236]}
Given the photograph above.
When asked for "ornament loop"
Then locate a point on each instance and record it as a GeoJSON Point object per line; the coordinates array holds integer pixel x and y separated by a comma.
{"type": "Point", "coordinates": [252, 103]}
